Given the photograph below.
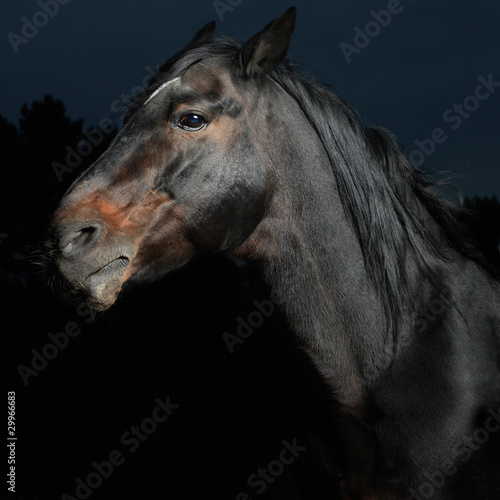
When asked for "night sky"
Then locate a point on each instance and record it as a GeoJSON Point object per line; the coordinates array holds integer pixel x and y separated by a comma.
{"type": "Point", "coordinates": [426, 69]}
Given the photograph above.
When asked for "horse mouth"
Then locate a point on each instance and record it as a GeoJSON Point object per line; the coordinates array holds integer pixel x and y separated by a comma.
{"type": "Point", "coordinates": [96, 284]}
{"type": "Point", "coordinates": [111, 267]}
{"type": "Point", "coordinates": [103, 285]}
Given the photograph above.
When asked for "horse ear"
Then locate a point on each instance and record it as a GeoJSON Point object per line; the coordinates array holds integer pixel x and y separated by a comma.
{"type": "Point", "coordinates": [206, 34]}
{"type": "Point", "coordinates": [265, 50]}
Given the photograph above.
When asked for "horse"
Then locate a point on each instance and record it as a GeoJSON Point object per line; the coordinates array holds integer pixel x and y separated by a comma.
{"type": "Point", "coordinates": [232, 149]}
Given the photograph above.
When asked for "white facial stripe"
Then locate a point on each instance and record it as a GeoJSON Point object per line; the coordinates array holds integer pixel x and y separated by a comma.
{"type": "Point", "coordinates": [160, 88]}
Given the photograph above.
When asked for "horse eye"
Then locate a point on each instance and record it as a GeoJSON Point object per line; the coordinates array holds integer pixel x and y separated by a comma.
{"type": "Point", "coordinates": [192, 122]}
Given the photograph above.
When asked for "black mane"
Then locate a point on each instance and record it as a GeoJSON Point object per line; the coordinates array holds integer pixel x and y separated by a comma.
{"type": "Point", "coordinates": [381, 189]}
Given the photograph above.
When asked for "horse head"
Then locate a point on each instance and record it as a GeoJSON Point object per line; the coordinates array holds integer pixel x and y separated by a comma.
{"type": "Point", "coordinates": [185, 175]}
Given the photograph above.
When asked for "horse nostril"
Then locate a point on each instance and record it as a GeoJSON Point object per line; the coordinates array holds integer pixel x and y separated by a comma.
{"type": "Point", "coordinates": [80, 238]}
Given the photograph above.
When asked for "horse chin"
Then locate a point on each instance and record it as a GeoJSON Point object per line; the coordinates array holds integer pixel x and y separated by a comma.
{"type": "Point", "coordinates": [102, 296]}
{"type": "Point", "coordinates": [101, 287]}
{"type": "Point", "coordinates": [101, 304]}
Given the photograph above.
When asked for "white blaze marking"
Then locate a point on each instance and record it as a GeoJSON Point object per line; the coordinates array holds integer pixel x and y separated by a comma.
{"type": "Point", "coordinates": [160, 88]}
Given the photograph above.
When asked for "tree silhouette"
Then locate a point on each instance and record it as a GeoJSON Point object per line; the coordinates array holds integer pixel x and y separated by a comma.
{"type": "Point", "coordinates": [30, 189]}
{"type": "Point", "coordinates": [10, 144]}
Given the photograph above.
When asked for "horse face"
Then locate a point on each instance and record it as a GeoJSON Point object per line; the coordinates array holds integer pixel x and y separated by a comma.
{"type": "Point", "coordinates": [183, 176]}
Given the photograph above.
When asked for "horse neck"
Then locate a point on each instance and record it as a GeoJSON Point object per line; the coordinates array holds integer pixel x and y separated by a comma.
{"type": "Point", "coordinates": [312, 260]}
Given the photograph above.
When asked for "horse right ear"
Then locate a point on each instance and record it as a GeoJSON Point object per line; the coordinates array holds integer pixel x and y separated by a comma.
{"type": "Point", "coordinates": [265, 50]}
{"type": "Point", "coordinates": [206, 34]}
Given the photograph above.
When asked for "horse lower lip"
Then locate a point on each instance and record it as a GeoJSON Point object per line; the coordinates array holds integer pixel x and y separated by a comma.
{"type": "Point", "coordinates": [111, 267]}
{"type": "Point", "coordinates": [103, 286]}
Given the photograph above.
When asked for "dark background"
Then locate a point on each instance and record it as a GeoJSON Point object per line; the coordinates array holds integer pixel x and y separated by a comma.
{"type": "Point", "coordinates": [235, 409]}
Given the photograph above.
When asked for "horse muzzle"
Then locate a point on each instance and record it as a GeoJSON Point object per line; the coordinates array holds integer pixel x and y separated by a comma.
{"type": "Point", "coordinates": [91, 261]}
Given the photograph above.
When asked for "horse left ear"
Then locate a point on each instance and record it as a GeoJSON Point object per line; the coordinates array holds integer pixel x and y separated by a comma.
{"type": "Point", "coordinates": [265, 50]}
{"type": "Point", "coordinates": [206, 34]}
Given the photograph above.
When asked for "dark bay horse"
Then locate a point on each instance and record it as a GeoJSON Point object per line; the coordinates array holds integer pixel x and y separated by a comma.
{"type": "Point", "coordinates": [230, 149]}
